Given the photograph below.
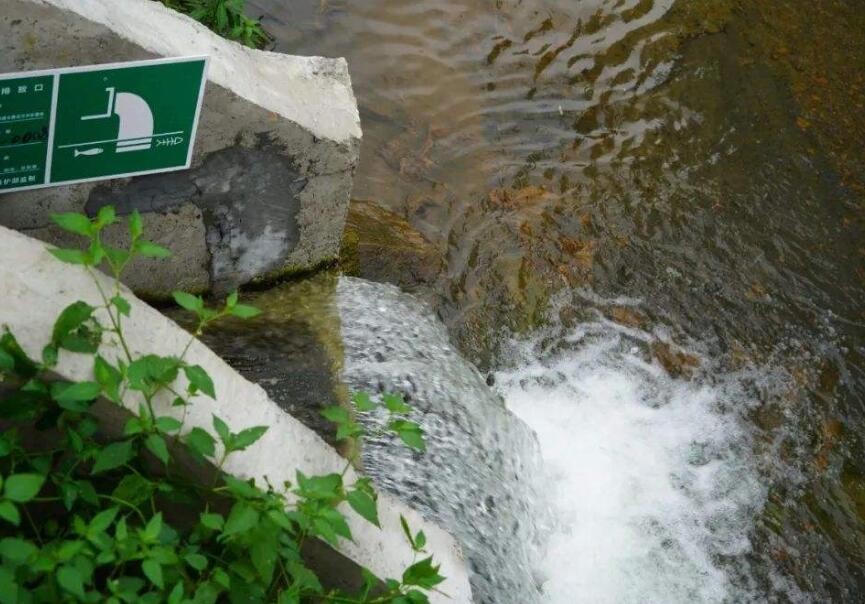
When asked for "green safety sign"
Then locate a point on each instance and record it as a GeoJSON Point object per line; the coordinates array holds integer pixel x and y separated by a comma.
{"type": "Point", "coordinates": [78, 124]}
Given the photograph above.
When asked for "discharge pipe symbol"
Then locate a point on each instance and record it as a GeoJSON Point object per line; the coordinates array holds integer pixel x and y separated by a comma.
{"type": "Point", "coordinates": [135, 132]}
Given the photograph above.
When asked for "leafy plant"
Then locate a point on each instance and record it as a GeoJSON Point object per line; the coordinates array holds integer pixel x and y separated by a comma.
{"type": "Point", "coordinates": [89, 517]}
{"type": "Point", "coordinates": [225, 17]}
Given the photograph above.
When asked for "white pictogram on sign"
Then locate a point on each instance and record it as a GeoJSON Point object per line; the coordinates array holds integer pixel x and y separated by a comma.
{"type": "Point", "coordinates": [135, 132]}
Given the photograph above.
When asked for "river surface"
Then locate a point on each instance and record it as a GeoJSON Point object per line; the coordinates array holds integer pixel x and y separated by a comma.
{"type": "Point", "coordinates": [674, 194]}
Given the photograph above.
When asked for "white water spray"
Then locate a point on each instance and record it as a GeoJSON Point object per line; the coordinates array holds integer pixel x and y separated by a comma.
{"type": "Point", "coordinates": [652, 479]}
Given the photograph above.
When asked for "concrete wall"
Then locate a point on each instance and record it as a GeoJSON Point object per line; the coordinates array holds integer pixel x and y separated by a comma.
{"type": "Point", "coordinates": [277, 146]}
{"type": "Point", "coordinates": [36, 287]}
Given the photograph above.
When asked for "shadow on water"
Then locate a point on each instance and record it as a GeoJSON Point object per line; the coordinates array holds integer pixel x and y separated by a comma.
{"type": "Point", "coordinates": [701, 157]}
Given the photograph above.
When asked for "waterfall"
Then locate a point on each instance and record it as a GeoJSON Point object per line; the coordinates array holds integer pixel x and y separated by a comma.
{"type": "Point", "coordinates": [586, 474]}
{"type": "Point", "coordinates": [476, 477]}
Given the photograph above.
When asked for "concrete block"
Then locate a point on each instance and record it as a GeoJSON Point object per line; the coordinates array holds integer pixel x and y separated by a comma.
{"type": "Point", "coordinates": [276, 152]}
{"type": "Point", "coordinates": [36, 287]}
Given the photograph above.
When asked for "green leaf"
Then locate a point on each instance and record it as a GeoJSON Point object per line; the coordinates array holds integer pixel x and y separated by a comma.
{"type": "Point", "coordinates": [148, 249]}
{"type": "Point", "coordinates": [241, 519]}
{"type": "Point", "coordinates": [244, 311]}
{"type": "Point", "coordinates": [221, 17]}
{"type": "Point", "coordinates": [134, 489]}
{"type": "Point", "coordinates": [413, 439]}
{"type": "Point", "coordinates": [86, 338]}
{"type": "Point", "coordinates": [416, 597]}
{"type": "Point", "coordinates": [95, 252]}
{"type": "Point", "coordinates": [200, 441]}
{"type": "Point", "coordinates": [410, 433]}
{"type": "Point", "coordinates": [242, 488]}
{"type": "Point", "coordinates": [71, 256]}
{"type": "Point", "coordinates": [72, 392]}
{"type": "Point", "coordinates": [423, 574]}
{"type": "Point", "coordinates": [213, 521]}
{"type": "Point", "coordinates": [221, 577]}
{"type": "Point", "coordinates": [49, 356]}
{"type": "Point", "coordinates": [263, 553]}
{"type": "Point", "coordinates": [9, 512]}
{"type": "Point", "coordinates": [326, 487]}
{"type": "Point", "coordinates": [101, 521]}
{"type": "Point", "coordinates": [168, 424]}
{"type": "Point", "coordinates": [16, 550]}
{"type": "Point", "coordinates": [153, 571]}
{"type": "Point", "coordinates": [70, 319]}
{"type": "Point", "coordinates": [23, 366]}
{"type": "Point", "coordinates": [70, 549]}
{"type": "Point", "coordinates": [231, 300]}
{"type": "Point", "coordinates": [152, 372]}
{"type": "Point", "coordinates": [122, 305]}
{"type": "Point", "coordinates": [8, 586]}
{"type": "Point", "coordinates": [199, 378]}
{"type": "Point", "coordinates": [247, 437]}
{"type": "Point", "coordinates": [364, 505]}
{"type": "Point", "coordinates": [136, 225]}
{"type": "Point", "coordinates": [113, 456]}
{"type": "Point", "coordinates": [395, 403]}
{"type": "Point", "coordinates": [176, 595]}
{"type": "Point", "coordinates": [70, 579]}
{"type": "Point", "coordinates": [407, 531]}
{"type": "Point", "coordinates": [108, 377]}
{"type": "Point", "coordinates": [363, 402]}
{"type": "Point", "coordinates": [7, 362]}
{"type": "Point", "coordinates": [188, 301]}
{"type": "Point", "coordinates": [206, 593]}
{"type": "Point", "coordinates": [150, 533]}
{"type": "Point", "coordinates": [337, 415]}
{"type": "Point", "coordinates": [196, 561]}
{"type": "Point", "coordinates": [336, 523]}
{"type": "Point", "coordinates": [87, 491]}
{"type": "Point", "coordinates": [222, 430]}
{"type": "Point", "coordinates": [369, 581]}
{"type": "Point", "coordinates": [349, 430]}
{"type": "Point", "coordinates": [8, 440]}
{"type": "Point", "coordinates": [304, 577]}
{"type": "Point", "coordinates": [121, 531]}
{"type": "Point", "coordinates": [116, 257]}
{"type": "Point", "coordinates": [290, 595]}
{"type": "Point", "coordinates": [419, 540]}
{"type": "Point", "coordinates": [21, 488]}
{"type": "Point", "coordinates": [105, 216]}
{"type": "Point", "coordinates": [133, 426]}
{"type": "Point", "coordinates": [74, 223]}
{"type": "Point", "coordinates": [156, 445]}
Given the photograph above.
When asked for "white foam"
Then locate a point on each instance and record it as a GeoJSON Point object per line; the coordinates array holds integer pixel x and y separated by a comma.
{"type": "Point", "coordinates": [651, 478]}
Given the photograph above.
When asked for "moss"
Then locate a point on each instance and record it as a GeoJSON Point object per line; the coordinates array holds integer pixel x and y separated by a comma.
{"type": "Point", "coordinates": [382, 246]}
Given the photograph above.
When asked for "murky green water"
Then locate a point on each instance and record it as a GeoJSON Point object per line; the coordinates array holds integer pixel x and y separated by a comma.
{"type": "Point", "coordinates": [705, 157]}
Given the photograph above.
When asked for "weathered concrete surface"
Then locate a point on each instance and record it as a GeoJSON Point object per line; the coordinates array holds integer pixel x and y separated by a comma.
{"type": "Point", "coordinates": [36, 287]}
{"type": "Point", "coordinates": [276, 151]}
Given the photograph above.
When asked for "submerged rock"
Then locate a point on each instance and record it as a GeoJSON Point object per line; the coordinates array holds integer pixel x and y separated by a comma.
{"type": "Point", "coordinates": [379, 245]}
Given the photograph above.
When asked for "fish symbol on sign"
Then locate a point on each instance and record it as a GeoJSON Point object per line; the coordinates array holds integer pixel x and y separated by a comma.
{"type": "Point", "coordinates": [93, 151]}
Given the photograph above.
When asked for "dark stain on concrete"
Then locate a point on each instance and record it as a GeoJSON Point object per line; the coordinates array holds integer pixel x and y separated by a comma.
{"type": "Point", "coordinates": [249, 198]}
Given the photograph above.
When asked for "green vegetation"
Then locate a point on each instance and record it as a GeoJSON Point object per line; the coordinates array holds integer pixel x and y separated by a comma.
{"type": "Point", "coordinates": [225, 17]}
{"type": "Point", "coordinates": [140, 516]}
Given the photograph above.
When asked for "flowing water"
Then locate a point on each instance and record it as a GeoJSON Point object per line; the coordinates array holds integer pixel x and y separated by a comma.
{"type": "Point", "coordinates": [653, 480]}
{"type": "Point", "coordinates": [477, 474]}
{"type": "Point", "coordinates": [652, 219]}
